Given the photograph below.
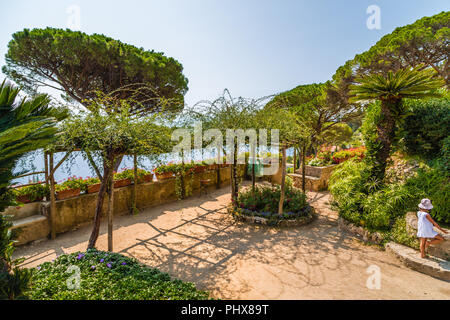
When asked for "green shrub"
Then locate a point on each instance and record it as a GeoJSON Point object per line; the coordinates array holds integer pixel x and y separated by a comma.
{"type": "Point", "coordinates": [426, 127]}
{"type": "Point", "coordinates": [364, 202]}
{"type": "Point", "coordinates": [266, 198]}
{"type": "Point", "coordinates": [106, 275]}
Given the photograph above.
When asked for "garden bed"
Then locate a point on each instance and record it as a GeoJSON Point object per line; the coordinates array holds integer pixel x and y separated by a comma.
{"type": "Point", "coordinates": [290, 219]}
{"type": "Point", "coordinates": [107, 276]}
{"type": "Point", "coordinates": [260, 206]}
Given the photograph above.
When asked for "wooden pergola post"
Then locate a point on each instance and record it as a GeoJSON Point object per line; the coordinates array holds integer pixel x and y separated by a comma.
{"type": "Point", "coordinates": [283, 178]}
{"type": "Point", "coordinates": [218, 168]}
{"type": "Point", "coordinates": [52, 197]}
{"type": "Point", "coordinates": [295, 158]}
{"type": "Point", "coordinates": [110, 210]}
{"type": "Point", "coordinates": [134, 190]}
{"type": "Point", "coordinates": [46, 166]}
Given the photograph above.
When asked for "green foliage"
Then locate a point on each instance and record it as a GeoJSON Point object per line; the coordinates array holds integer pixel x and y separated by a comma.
{"type": "Point", "coordinates": [399, 234]}
{"type": "Point", "coordinates": [265, 200]}
{"type": "Point", "coordinates": [362, 201]}
{"type": "Point", "coordinates": [129, 174]}
{"type": "Point", "coordinates": [108, 276]}
{"type": "Point", "coordinates": [34, 192]}
{"type": "Point", "coordinates": [426, 127]}
{"type": "Point", "coordinates": [336, 135]}
{"type": "Point", "coordinates": [13, 279]}
{"type": "Point", "coordinates": [424, 41]}
{"type": "Point", "coordinates": [80, 65]}
{"type": "Point", "coordinates": [413, 83]}
{"type": "Point", "coordinates": [25, 125]}
{"type": "Point", "coordinates": [171, 167]}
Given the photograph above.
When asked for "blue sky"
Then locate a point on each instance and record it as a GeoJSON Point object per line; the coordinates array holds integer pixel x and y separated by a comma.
{"type": "Point", "coordinates": [253, 48]}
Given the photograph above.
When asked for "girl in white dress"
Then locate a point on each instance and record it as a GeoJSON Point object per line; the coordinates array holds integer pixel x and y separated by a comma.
{"type": "Point", "coordinates": [425, 230]}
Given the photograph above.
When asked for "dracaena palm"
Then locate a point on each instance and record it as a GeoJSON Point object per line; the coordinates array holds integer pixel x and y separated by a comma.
{"type": "Point", "coordinates": [390, 89]}
{"type": "Point", "coordinates": [25, 125]}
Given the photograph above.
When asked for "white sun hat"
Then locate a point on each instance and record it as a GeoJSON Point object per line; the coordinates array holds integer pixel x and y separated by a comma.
{"type": "Point", "coordinates": [425, 204]}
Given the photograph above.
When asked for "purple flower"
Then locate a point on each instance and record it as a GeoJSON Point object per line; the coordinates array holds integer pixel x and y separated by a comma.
{"type": "Point", "coordinates": [101, 260]}
{"type": "Point", "coordinates": [39, 267]}
{"type": "Point", "coordinates": [93, 267]}
{"type": "Point", "coordinates": [108, 265]}
{"type": "Point", "coordinates": [80, 256]}
{"type": "Point", "coordinates": [124, 263]}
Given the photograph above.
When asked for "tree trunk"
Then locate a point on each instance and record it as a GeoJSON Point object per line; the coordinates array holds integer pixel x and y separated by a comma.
{"type": "Point", "coordinates": [304, 168]}
{"type": "Point", "coordinates": [218, 169]}
{"type": "Point", "coordinates": [107, 168]}
{"type": "Point", "coordinates": [253, 168]}
{"type": "Point", "coordinates": [235, 176]}
{"type": "Point", "coordinates": [52, 197]}
{"type": "Point", "coordinates": [134, 190]}
{"type": "Point", "coordinates": [234, 182]}
{"type": "Point", "coordinates": [110, 210]}
{"type": "Point", "coordinates": [283, 178]}
{"type": "Point", "coordinates": [386, 134]}
{"type": "Point", "coordinates": [295, 159]}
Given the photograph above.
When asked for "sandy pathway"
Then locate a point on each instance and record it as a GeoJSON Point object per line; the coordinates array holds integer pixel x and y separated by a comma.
{"type": "Point", "coordinates": [196, 240]}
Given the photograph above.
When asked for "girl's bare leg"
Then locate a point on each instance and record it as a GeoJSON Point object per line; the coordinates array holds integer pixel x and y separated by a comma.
{"type": "Point", "coordinates": [423, 242]}
{"type": "Point", "coordinates": [436, 240]}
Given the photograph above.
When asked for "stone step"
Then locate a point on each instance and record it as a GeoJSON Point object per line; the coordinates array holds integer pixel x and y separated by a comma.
{"type": "Point", "coordinates": [433, 266]}
{"type": "Point", "coordinates": [31, 228]}
{"type": "Point", "coordinates": [23, 211]}
{"type": "Point", "coordinates": [299, 176]}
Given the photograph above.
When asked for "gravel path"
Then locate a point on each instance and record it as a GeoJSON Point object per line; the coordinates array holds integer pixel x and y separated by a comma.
{"type": "Point", "coordinates": [196, 240]}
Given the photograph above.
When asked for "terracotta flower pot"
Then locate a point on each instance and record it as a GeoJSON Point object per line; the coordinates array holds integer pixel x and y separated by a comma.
{"type": "Point", "coordinates": [148, 177]}
{"type": "Point", "coordinates": [93, 188]}
{"type": "Point", "coordinates": [122, 183]}
{"type": "Point", "coordinates": [26, 199]}
{"type": "Point", "coordinates": [70, 193]}
{"type": "Point", "coordinates": [165, 175]}
{"type": "Point", "coordinates": [200, 169]}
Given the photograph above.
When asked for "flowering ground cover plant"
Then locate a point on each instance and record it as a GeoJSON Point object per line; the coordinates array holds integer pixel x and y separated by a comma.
{"type": "Point", "coordinates": [110, 276]}
{"type": "Point", "coordinates": [32, 192]}
{"type": "Point", "coordinates": [265, 199]}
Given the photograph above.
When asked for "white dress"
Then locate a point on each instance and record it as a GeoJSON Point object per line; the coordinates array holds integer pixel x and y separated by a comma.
{"type": "Point", "coordinates": [424, 226]}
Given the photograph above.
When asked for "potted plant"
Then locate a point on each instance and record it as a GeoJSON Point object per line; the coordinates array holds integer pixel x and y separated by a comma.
{"type": "Point", "coordinates": [31, 193]}
{"type": "Point", "coordinates": [92, 185]}
{"type": "Point", "coordinates": [70, 188]}
{"type": "Point", "coordinates": [199, 167]}
{"type": "Point", "coordinates": [166, 171]}
{"type": "Point", "coordinates": [146, 176]}
{"type": "Point", "coordinates": [122, 179]}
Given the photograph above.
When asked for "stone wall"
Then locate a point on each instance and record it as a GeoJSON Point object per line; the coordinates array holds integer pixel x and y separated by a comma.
{"type": "Point", "coordinates": [70, 213]}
